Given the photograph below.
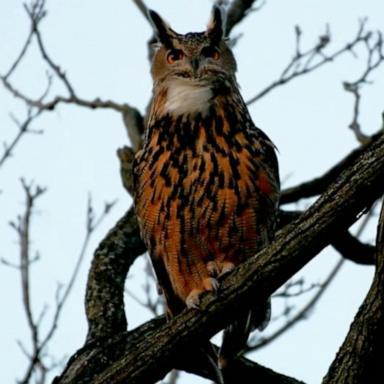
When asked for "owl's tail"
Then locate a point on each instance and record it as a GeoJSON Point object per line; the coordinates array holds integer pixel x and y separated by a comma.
{"type": "Point", "coordinates": [236, 335]}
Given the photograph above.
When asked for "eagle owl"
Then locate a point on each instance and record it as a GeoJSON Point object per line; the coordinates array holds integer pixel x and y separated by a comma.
{"type": "Point", "coordinates": [206, 178]}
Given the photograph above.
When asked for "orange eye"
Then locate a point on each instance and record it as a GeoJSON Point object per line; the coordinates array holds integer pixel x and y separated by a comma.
{"type": "Point", "coordinates": [174, 55]}
{"type": "Point", "coordinates": [211, 52]}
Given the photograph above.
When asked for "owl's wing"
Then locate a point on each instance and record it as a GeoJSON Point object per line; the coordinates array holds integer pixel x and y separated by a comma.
{"type": "Point", "coordinates": [236, 335]}
{"type": "Point", "coordinates": [174, 304]}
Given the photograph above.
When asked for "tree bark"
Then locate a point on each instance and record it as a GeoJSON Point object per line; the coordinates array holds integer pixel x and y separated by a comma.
{"type": "Point", "coordinates": [146, 354]}
{"type": "Point", "coordinates": [104, 300]}
{"type": "Point", "coordinates": [360, 358]}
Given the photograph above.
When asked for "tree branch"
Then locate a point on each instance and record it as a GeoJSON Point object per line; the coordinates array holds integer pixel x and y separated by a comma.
{"type": "Point", "coordinates": [359, 360]}
{"type": "Point", "coordinates": [132, 118]}
{"type": "Point", "coordinates": [349, 247]}
{"type": "Point", "coordinates": [23, 128]}
{"type": "Point", "coordinates": [308, 61]}
{"type": "Point", "coordinates": [375, 57]}
{"type": "Point", "coordinates": [23, 230]}
{"type": "Point", "coordinates": [150, 357]}
{"type": "Point", "coordinates": [303, 313]}
{"type": "Point", "coordinates": [104, 301]}
{"type": "Point", "coordinates": [38, 356]}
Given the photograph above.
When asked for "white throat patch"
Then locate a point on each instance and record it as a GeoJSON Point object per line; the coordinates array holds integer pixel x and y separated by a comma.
{"type": "Point", "coordinates": [186, 97]}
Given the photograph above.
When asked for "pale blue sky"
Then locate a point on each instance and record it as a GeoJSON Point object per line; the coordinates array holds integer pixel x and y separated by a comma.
{"type": "Point", "coordinates": [103, 50]}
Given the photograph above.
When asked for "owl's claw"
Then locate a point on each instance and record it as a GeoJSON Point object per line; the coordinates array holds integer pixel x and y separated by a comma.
{"type": "Point", "coordinates": [211, 284]}
{"type": "Point", "coordinates": [226, 268]}
{"type": "Point", "coordinates": [193, 300]}
{"type": "Point", "coordinates": [213, 268]}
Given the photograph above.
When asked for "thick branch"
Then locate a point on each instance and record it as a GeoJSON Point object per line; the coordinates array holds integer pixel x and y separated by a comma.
{"type": "Point", "coordinates": [151, 358]}
{"type": "Point", "coordinates": [353, 249]}
{"type": "Point", "coordinates": [104, 300]}
{"type": "Point", "coordinates": [349, 246]}
{"type": "Point", "coordinates": [359, 359]}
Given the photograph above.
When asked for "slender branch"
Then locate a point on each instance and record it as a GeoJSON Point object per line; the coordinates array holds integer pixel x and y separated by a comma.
{"type": "Point", "coordinates": [294, 289]}
{"type": "Point", "coordinates": [155, 305]}
{"type": "Point", "coordinates": [31, 11]}
{"type": "Point", "coordinates": [359, 358]}
{"type": "Point", "coordinates": [36, 358]}
{"type": "Point", "coordinates": [349, 247]}
{"type": "Point", "coordinates": [375, 57]}
{"type": "Point", "coordinates": [23, 129]}
{"type": "Point", "coordinates": [20, 57]}
{"type": "Point", "coordinates": [92, 224]}
{"type": "Point", "coordinates": [308, 61]}
{"type": "Point", "coordinates": [131, 116]}
{"type": "Point", "coordinates": [302, 314]}
{"type": "Point", "coordinates": [22, 228]}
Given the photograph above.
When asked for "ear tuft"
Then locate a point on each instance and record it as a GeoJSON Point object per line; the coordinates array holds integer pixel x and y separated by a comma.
{"type": "Point", "coordinates": [162, 30]}
{"type": "Point", "coordinates": [216, 26]}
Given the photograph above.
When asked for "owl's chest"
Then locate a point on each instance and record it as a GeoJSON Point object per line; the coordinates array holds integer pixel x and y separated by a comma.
{"type": "Point", "coordinates": [194, 172]}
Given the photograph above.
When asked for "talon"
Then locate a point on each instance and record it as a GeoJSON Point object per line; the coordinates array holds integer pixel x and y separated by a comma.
{"type": "Point", "coordinates": [213, 269]}
{"type": "Point", "coordinates": [227, 267]}
{"type": "Point", "coordinates": [211, 284]}
{"type": "Point", "coordinates": [193, 300]}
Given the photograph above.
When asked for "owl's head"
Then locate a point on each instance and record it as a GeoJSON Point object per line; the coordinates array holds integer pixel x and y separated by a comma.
{"type": "Point", "coordinates": [199, 57]}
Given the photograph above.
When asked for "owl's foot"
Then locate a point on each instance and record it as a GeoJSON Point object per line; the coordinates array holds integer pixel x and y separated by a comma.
{"type": "Point", "coordinates": [211, 284]}
{"type": "Point", "coordinates": [193, 299]}
{"type": "Point", "coordinates": [226, 267]}
{"type": "Point", "coordinates": [213, 268]}
{"type": "Point", "coordinates": [219, 269]}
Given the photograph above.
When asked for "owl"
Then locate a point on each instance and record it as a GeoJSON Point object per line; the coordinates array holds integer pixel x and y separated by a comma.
{"type": "Point", "coordinates": [206, 178]}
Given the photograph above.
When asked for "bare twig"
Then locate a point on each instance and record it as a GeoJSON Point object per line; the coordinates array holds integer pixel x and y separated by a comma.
{"type": "Point", "coordinates": [258, 342]}
{"type": "Point", "coordinates": [375, 57]}
{"type": "Point", "coordinates": [294, 289]}
{"type": "Point", "coordinates": [38, 8]}
{"type": "Point", "coordinates": [22, 228]}
{"type": "Point", "coordinates": [92, 224]}
{"type": "Point", "coordinates": [37, 366]}
{"type": "Point", "coordinates": [155, 305]}
{"type": "Point", "coordinates": [20, 57]}
{"type": "Point", "coordinates": [308, 61]}
{"type": "Point", "coordinates": [131, 116]}
{"type": "Point", "coordinates": [23, 128]}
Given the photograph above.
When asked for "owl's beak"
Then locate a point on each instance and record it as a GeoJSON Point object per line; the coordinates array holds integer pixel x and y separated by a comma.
{"type": "Point", "coordinates": [195, 64]}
